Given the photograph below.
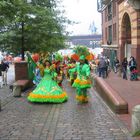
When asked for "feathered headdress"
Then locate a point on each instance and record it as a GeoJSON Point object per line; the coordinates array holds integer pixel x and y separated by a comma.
{"type": "Point", "coordinates": [58, 57]}
{"type": "Point", "coordinates": [81, 51]}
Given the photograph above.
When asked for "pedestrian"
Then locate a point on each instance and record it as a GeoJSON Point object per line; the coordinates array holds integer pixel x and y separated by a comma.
{"type": "Point", "coordinates": [116, 64]}
{"type": "Point", "coordinates": [102, 67]}
{"type": "Point", "coordinates": [82, 82]}
{"type": "Point", "coordinates": [4, 70]}
{"type": "Point", "coordinates": [1, 82]}
{"type": "Point", "coordinates": [93, 67]}
{"type": "Point", "coordinates": [107, 69]}
{"type": "Point", "coordinates": [72, 75]}
{"type": "Point", "coordinates": [124, 68]}
{"type": "Point", "coordinates": [132, 67]}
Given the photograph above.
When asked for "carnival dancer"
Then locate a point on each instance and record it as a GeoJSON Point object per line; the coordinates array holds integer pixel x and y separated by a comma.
{"type": "Point", "coordinates": [59, 77]}
{"type": "Point", "coordinates": [72, 75]}
{"type": "Point", "coordinates": [58, 69]}
{"type": "Point", "coordinates": [82, 82]}
{"type": "Point", "coordinates": [48, 91]}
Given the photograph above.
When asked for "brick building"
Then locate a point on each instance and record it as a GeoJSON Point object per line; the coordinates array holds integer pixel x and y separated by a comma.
{"type": "Point", "coordinates": [109, 12]}
{"type": "Point", "coordinates": [121, 27]}
{"type": "Point", "coordinates": [129, 29]}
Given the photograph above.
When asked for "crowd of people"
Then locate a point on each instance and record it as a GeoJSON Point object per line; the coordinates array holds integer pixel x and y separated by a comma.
{"type": "Point", "coordinates": [102, 67]}
{"type": "Point", "coordinates": [48, 75]}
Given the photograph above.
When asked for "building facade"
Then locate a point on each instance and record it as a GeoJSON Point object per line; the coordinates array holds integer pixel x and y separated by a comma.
{"type": "Point", "coordinates": [125, 30]}
{"type": "Point", "coordinates": [110, 39]}
{"type": "Point", "coordinates": [129, 29]}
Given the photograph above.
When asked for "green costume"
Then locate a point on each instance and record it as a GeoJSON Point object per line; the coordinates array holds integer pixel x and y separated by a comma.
{"type": "Point", "coordinates": [48, 90]}
{"type": "Point", "coordinates": [82, 81]}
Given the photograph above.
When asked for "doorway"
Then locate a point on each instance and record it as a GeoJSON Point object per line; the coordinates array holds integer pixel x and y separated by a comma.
{"type": "Point", "coordinates": [126, 36]}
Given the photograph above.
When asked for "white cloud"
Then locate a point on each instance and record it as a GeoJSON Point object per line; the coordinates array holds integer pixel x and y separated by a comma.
{"type": "Point", "coordinates": [84, 12]}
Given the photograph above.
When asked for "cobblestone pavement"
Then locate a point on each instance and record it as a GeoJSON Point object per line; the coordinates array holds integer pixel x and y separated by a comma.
{"type": "Point", "coordinates": [21, 120]}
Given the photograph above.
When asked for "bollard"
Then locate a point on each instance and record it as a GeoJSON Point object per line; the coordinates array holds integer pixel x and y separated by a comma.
{"type": "Point", "coordinates": [136, 120]}
{"type": "Point", "coordinates": [16, 90]}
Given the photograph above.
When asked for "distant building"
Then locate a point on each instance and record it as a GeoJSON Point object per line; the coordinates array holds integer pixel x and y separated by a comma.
{"type": "Point", "coordinates": [91, 41]}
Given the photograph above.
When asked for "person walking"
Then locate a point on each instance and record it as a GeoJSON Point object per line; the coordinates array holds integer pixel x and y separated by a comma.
{"type": "Point", "coordinates": [116, 64]}
{"type": "Point", "coordinates": [4, 70]}
{"type": "Point", "coordinates": [102, 67]}
{"type": "Point", "coordinates": [124, 68]}
{"type": "Point", "coordinates": [1, 82]}
{"type": "Point", "coordinates": [107, 69]}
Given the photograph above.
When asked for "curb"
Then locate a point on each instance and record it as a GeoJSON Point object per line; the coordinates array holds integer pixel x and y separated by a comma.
{"type": "Point", "coordinates": [110, 96]}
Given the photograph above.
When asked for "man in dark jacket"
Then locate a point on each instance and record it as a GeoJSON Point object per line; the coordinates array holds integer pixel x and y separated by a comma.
{"type": "Point", "coordinates": [116, 64]}
{"type": "Point", "coordinates": [102, 67]}
{"type": "Point", "coordinates": [4, 68]}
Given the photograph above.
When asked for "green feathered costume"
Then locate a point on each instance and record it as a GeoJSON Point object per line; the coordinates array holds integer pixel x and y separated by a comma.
{"type": "Point", "coordinates": [48, 90]}
{"type": "Point", "coordinates": [82, 81]}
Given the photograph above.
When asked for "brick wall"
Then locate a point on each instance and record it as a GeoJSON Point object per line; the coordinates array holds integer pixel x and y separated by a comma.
{"type": "Point", "coordinates": [21, 70]}
{"type": "Point", "coordinates": [134, 16]}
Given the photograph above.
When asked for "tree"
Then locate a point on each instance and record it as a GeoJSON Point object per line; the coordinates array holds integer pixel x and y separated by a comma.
{"type": "Point", "coordinates": [36, 26]}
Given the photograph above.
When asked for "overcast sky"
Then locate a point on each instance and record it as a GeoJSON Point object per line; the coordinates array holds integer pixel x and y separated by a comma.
{"type": "Point", "coordinates": [84, 12]}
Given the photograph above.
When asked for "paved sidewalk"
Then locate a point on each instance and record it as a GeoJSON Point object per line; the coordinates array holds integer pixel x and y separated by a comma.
{"type": "Point", "coordinates": [21, 120]}
{"type": "Point", "coordinates": [128, 90]}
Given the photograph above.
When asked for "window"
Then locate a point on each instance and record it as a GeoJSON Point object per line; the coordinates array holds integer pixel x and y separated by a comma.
{"type": "Point", "coordinates": [114, 8]}
{"type": "Point", "coordinates": [114, 32]}
{"type": "Point", "coordinates": [105, 15]}
{"type": "Point", "coordinates": [110, 33]}
{"type": "Point", "coordinates": [109, 8]}
{"type": "Point", "coordinates": [105, 33]}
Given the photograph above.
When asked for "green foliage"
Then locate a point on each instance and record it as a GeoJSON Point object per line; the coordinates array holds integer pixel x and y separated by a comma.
{"type": "Point", "coordinates": [43, 24]}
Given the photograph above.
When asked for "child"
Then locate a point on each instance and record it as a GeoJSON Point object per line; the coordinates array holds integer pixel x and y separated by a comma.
{"type": "Point", "coordinates": [37, 76]}
{"type": "Point", "coordinates": [134, 74]}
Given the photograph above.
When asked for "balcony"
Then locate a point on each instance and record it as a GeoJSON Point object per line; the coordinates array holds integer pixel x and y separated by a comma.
{"type": "Point", "coordinates": [100, 5]}
{"type": "Point", "coordinates": [105, 2]}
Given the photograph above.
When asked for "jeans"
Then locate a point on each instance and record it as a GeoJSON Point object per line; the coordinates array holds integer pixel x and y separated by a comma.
{"type": "Point", "coordinates": [102, 72]}
{"type": "Point", "coordinates": [4, 77]}
{"type": "Point", "coordinates": [125, 73]}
